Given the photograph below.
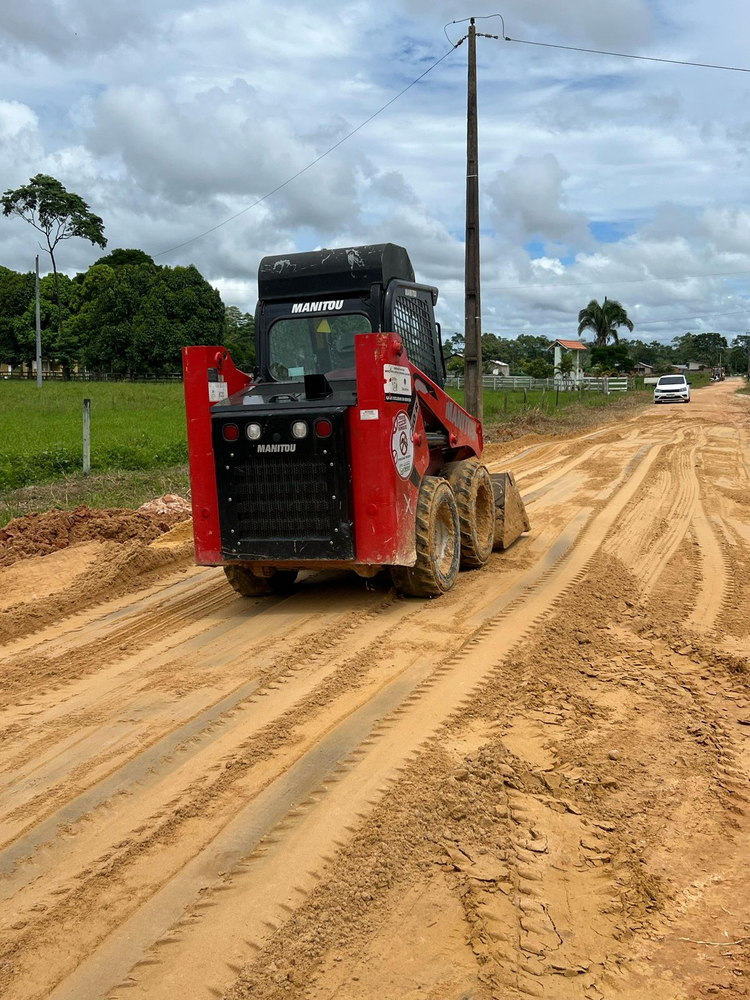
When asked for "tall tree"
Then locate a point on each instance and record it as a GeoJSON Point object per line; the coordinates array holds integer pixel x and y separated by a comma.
{"type": "Point", "coordinates": [706, 348]}
{"type": "Point", "coordinates": [239, 337]}
{"type": "Point", "coordinates": [16, 295]}
{"type": "Point", "coordinates": [56, 213]}
{"type": "Point", "coordinates": [604, 320]}
{"type": "Point", "coordinates": [742, 343]}
{"type": "Point", "coordinates": [135, 318]}
{"type": "Point", "coordinates": [59, 341]}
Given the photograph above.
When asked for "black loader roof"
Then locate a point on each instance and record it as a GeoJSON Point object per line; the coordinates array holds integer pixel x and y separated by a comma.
{"type": "Point", "coordinates": [343, 271]}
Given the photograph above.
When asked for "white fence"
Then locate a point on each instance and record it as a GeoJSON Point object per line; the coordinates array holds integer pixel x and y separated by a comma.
{"type": "Point", "coordinates": [505, 382]}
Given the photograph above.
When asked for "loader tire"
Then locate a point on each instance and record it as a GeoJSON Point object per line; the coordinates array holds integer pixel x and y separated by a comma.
{"type": "Point", "coordinates": [475, 499]}
{"type": "Point", "coordinates": [437, 542]}
{"type": "Point", "coordinates": [247, 584]}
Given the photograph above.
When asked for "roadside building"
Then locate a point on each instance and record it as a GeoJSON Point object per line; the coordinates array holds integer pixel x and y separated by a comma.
{"type": "Point", "coordinates": [575, 348]}
{"type": "Point", "coordinates": [690, 366]}
{"type": "Point", "coordinates": [499, 368]}
{"type": "Point", "coordinates": [643, 369]}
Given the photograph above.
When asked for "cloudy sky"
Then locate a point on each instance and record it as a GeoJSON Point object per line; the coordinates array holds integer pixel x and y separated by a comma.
{"type": "Point", "coordinates": [599, 176]}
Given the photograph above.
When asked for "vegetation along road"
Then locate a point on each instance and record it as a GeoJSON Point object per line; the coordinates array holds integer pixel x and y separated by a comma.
{"type": "Point", "coordinates": [533, 786]}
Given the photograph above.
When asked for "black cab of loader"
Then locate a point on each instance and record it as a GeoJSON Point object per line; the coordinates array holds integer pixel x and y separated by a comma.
{"type": "Point", "coordinates": [311, 305]}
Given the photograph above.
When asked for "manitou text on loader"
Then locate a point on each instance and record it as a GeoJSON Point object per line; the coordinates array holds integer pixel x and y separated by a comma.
{"type": "Point", "coordinates": [343, 449]}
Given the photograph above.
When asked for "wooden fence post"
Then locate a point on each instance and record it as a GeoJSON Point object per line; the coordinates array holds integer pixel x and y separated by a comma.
{"type": "Point", "coordinates": [86, 437]}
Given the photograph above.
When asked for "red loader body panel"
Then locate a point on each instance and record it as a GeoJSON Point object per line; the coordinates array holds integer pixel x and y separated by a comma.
{"type": "Point", "coordinates": [209, 376]}
{"type": "Point", "coordinates": [390, 453]}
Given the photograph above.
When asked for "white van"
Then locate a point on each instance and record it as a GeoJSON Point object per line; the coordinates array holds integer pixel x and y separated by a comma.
{"type": "Point", "coordinates": [672, 389]}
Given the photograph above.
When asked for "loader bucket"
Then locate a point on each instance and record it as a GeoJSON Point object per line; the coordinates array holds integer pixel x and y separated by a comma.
{"type": "Point", "coordinates": [511, 519]}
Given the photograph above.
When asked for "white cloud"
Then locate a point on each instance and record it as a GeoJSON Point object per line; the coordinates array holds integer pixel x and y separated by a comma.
{"type": "Point", "coordinates": [598, 176]}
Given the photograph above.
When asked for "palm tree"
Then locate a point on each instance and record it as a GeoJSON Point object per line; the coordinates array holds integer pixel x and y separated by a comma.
{"type": "Point", "coordinates": [603, 320]}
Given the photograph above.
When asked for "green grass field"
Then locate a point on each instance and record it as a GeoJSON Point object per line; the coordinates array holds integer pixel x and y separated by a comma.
{"type": "Point", "coordinates": [499, 406]}
{"type": "Point", "coordinates": [133, 426]}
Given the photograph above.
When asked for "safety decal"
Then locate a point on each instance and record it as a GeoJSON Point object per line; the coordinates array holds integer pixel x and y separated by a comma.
{"type": "Point", "coordinates": [402, 445]}
{"type": "Point", "coordinates": [397, 383]}
{"type": "Point", "coordinates": [368, 414]}
{"type": "Point", "coordinates": [217, 391]}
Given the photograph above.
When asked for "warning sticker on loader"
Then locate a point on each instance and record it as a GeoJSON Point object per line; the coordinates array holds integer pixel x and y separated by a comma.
{"type": "Point", "coordinates": [217, 391]}
{"type": "Point", "coordinates": [397, 383]}
{"type": "Point", "coordinates": [402, 445]}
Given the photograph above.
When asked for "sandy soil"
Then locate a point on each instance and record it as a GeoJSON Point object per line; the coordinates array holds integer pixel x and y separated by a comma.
{"type": "Point", "coordinates": [533, 786]}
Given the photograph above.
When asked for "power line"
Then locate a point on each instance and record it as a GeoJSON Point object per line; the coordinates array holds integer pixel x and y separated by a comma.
{"type": "Point", "coordinates": [317, 159]}
{"type": "Point", "coordinates": [621, 55]}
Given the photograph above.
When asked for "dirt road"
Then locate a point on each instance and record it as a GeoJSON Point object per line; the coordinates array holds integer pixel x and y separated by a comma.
{"type": "Point", "coordinates": [534, 786]}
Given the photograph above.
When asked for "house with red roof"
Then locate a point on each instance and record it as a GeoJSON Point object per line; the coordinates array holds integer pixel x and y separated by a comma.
{"type": "Point", "coordinates": [575, 347]}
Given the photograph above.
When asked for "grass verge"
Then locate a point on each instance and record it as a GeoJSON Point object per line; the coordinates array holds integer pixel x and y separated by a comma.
{"type": "Point", "coordinates": [563, 420]}
{"type": "Point", "coordinates": [133, 427]}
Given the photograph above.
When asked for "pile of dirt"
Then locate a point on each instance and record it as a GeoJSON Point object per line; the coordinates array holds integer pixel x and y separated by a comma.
{"type": "Point", "coordinates": [41, 534]}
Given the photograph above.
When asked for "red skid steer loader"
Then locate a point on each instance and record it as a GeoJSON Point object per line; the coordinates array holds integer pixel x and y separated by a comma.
{"type": "Point", "coordinates": [342, 450]}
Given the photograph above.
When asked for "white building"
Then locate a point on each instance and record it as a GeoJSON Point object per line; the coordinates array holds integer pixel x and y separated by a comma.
{"type": "Point", "coordinates": [563, 347]}
{"type": "Point", "coordinates": [499, 368]}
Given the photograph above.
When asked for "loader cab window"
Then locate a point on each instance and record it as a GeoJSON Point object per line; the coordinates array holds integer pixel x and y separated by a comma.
{"type": "Point", "coordinates": [306, 345]}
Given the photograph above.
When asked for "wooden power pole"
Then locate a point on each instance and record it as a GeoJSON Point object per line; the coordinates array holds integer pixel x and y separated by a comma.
{"type": "Point", "coordinates": [38, 330]}
{"type": "Point", "coordinates": [473, 305]}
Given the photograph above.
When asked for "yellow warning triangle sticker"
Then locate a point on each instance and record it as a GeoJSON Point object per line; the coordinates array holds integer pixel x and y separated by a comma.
{"type": "Point", "coordinates": [323, 327]}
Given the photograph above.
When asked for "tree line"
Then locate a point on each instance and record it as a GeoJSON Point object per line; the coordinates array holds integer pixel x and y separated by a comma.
{"type": "Point", "coordinates": [607, 351]}
{"type": "Point", "coordinates": [125, 314]}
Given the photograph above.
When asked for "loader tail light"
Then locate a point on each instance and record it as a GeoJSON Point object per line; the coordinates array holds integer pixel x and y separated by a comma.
{"type": "Point", "coordinates": [323, 428]}
{"type": "Point", "coordinates": [230, 432]}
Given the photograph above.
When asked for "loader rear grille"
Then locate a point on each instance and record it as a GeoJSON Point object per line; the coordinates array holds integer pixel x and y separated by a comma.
{"type": "Point", "coordinates": [273, 498]}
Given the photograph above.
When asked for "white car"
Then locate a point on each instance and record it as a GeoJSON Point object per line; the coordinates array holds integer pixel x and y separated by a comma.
{"type": "Point", "coordinates": [672, 389]}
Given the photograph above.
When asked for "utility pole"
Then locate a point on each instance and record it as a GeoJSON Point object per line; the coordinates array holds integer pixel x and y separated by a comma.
{"type": "Point", "coordinates": [38, 332]}
{"type": "Point", "coordinates": [472, 306]}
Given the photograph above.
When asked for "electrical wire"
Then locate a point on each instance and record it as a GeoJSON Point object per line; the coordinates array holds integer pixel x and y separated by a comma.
{"type": "Point", "coordinates": [477, 17]}
{"type": "Point", "coordinates": [598, 52]}
{"type": "Point", "coordinates": [621, 55]}
{"type": "Point", "coordinates": [317, 159]}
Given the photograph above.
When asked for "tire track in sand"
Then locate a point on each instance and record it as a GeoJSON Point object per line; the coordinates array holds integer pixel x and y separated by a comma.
{"type": "Point", "coordinates": [349, 790]}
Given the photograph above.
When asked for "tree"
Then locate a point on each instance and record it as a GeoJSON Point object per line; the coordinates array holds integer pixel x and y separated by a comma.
{"type": "Point", "coordinates": [703, 347]}
{"type": "Point", "coordinates": [453, 345]}
{"type": "Point", "coordinates": [59, 341]}
{"type": "Point", "coordinates": [16, 293]}
{"type": "Point", "coordinates": [136, 318]}
{"type": "Point", "coordinates": [120, 256]}
{"type": "Point", "coordinates": [742, 343]}
{"type": "Point", "coordinates": [239, 337]}
{"type": "Point", "coordinates": [538, 368]}
{"type": "Point", "coordinates": [565, 368]}
{"type": "Point", "coordinates": [57, 214]}
{"type": "Point", "coordinates": [604, 320]}
{"type": "Point", "coordinates": [610, 358]}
